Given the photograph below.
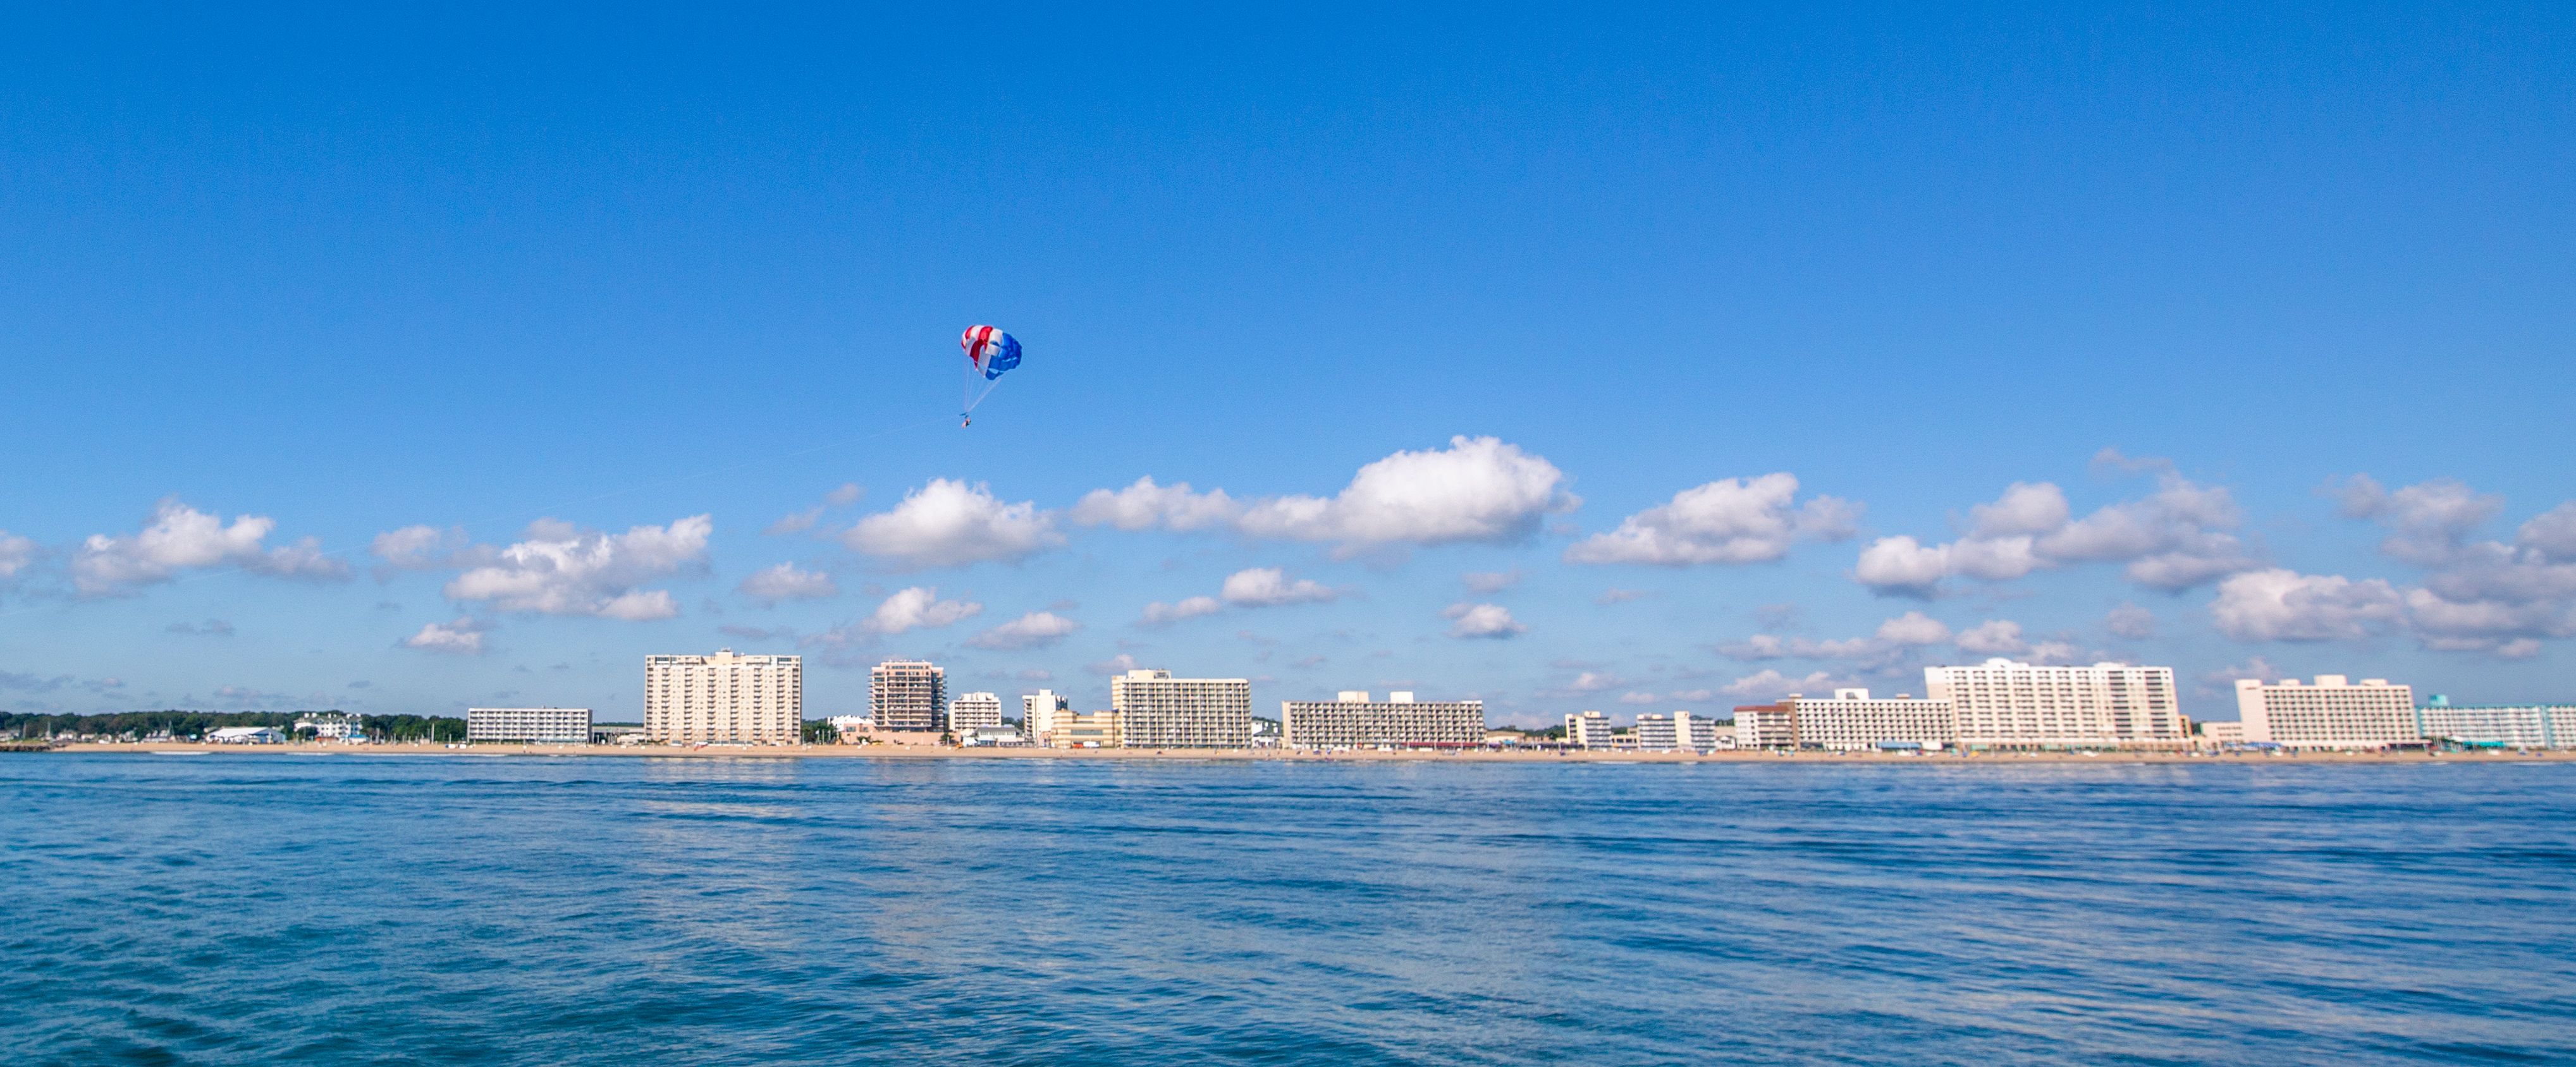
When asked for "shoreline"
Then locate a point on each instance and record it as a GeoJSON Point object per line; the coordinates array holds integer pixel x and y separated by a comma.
{"type": "Point", "coordinates": [1291, 756]}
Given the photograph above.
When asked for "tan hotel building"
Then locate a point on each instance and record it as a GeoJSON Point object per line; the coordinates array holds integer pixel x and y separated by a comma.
{"type": "Point", "coordinates": [725, 699]}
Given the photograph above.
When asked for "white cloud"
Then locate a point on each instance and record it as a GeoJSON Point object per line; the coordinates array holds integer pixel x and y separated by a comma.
{"type": "Point", "coordinates": [180, 538]}
{"type": "Point", "coordinates": [1269, 587]}
{"type": "Point", "coordinates": [2486, 595]}
{"type": "Point", "coordinates": [2174, 538]}
{"type": "Point", "coordinates": [1037, 629]}
{"type": "Point", "coordinates": [1639, 698]}
{"type": "Point", "coordinates": [918, 608]}
{"type": "Point", "coordinates": [464, 636]}
{"type": "Point", "coordinates": [2130, 621]}
{"type": "Point", "coordinates": [418, 548]}
{"type": "Point", "coordinates": [2284, 605]}
{"type": "Point", "coordinates": [1160, 614]}
{"type": "Point", "coordinates": [560, 569]}
{"type": "Point", "coordinates": [1996, 637]}
{"type": "Point", "coordinates": [1145, 506]}
{"type": "Point", "coordinates": [1118, 664]}
{"type": "Point", "coordinates": [1594, 682]}
{"type": "Point", "coordinates": [16, 554]}
{"type": "Point", "coordinates": [1615, 595]}
{"type": "Point", "coordinates": [1487, 583]}
{"type": "Point", "coordinates": [1913, 628]}
{"type": "Point", "coordinates": [1482, 620]}
{"type": "Point", "coordinates": [951, 524]}
{"type": "Point", "coordinates": [2427, 522]}
{"type": "Point", "coordinates": [1771, 683]}
{"type": "Point", "coordinates": [785, 582]}
{"type": "Point", "coordinates": [1734, 520]}
{"type": "Point", "coordinates": [1479, 489]}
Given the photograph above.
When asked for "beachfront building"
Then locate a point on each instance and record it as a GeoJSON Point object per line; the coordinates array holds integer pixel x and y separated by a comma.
{"type": "Point", "coordinates": [974, 711]}
{"type": "Point", "coordinates": [1090, 729]}
{"type": "Point", "coordinates": [1853, 720]}
{"type": "Point", "coordinates": [1680, 731]}
{"type": "Point", "coordinates": [907, 694]}
{"type": "Point", "coordinates": [2331, 713]}
{"type": "Point", "coordinates": [1039, 712]}
{"type": "Point", "coordinates": [1156, 710]}
{"type": "Point", "coordinates": [245, 735]}
{"type": "Point", "coordinates": [850, 729]}
{"type": "Point", "coordinates": [1352, 720]}
{"type": "Point", "coordinates": [1759, 726]}
{"type": "Point", "coordinates": [724, 699]}
{"type": "Point", "coordinates": [2221, 734]}
{"type": "Point", "coordinates": [2497, 725]}
{"type": "Point", "coordinates": [1587, 729]}
{"type": "Point", "coordinates": [2002, 703]}
{"type": "Point", "coordinates": [528, 726]}
{"type": "Point", "coordinates": [330, 726]}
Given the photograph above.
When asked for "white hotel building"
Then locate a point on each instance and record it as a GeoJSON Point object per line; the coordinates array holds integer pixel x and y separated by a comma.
{"type": "Point", "coordinates": [2332, 713]}
{"type": "Point", "coordinates": [1040, 712]}
{"type": "Point", "coordinates": [2002, 703]}
{"type": "Point", "coordinates": [724, 699]}
{"type": "Point", "coordinates": [1853, 720]}
{"type": "Point", "coordinates": [2502, 725]}
{"type": "Point", "coordinates": [529, 726]}
{"type": "Point", "coordinates": [1352, 720]}
{"type": "Point", "coordinates": [974, 711]}
{"type": "Point", "coordinates": [1680, 731]}
{"type": "Point", "coordinates": [1156, 710]}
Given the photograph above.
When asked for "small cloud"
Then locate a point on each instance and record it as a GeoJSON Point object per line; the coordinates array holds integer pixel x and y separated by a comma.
{"type": "Point", "coordinates": [801, 521]}
{"type": "Point", "coordinates": [1260, 587]}
{"type": "Point", "coordinates": [1036, 674]}
{"type": "Point", "coordinates": [463, 637]}
{"type": "Point", "coordinates": [1037, 629]}
{"type": "Point", "coordinates": [1616, 595]}
{"type": "Point", "coordinates": [952, 524]}
{"type": "Point", "coordinates": [758, 633]}
{"type": "Point", "coordinates": [918, 608]}
{"type": "Point", "coordinates": [1488, 583]}
{"type": "Point", "coordinates": [785, 582]}
{"type": "Point", "coordinates": [1118, 664]}
{"type": "Point", "coordinates": [1162, 614]}
{"type": "Point", "coordinates": [1771, 683]}
{"type": "Point", "coordinates": [1639, 698]}
{"type": "Point", "coordinates": [1308, 662]}
{"type": "Point", "coordinates": [211, 628]}
{"type": "Point", "coordinates": [1482, 621]}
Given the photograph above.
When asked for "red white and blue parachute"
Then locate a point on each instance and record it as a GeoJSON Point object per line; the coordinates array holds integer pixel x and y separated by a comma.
{"type": "Point", "coordinates": [989, 352]}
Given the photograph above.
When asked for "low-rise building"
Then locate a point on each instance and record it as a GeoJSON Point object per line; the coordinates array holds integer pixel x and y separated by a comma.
{"type": "Point", "coordinates": [1759, 726]}
{"type": "Point", "coordinates": [2497, 725]}
{"type": "Point", "coordinates": [528, 726]}
{"type": "Point", "coordinates": [850, 729]}
{"type": "Point", "coordinates": [1090, 729]}
{"type": "Point", "coordinates": [2221, 734]}
{"type": "Point", "coordinates": [1352, 720]}
{"type": "Point", "coordinates": [2331, 713]}
{"type": "Point", "coordinates": [1853, 721]}
{"type": "Point", "coordinates": [245, 735]}
{"type": "Point", "coordinates": [330, 726]}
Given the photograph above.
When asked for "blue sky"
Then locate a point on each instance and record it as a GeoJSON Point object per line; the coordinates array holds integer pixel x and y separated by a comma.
{"type": "Point", "coordinates": [516, 336]}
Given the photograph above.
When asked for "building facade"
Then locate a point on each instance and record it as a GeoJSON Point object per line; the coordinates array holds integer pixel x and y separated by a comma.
{"type": "Point", "coordinates": [1853, 720]}
{"type": "Point", "coordinates": [1680, 731]}
{"type": "Point", "coordinates": [1156, 710]}
{"type": "Point", "coordinates": [1039, 712]}
{"type": "Point", "coordinates": [1094, 729]}
{"type": "Point", "coordinates": [724, 699]}
{"type": "Point", "coordinates": [850, 729]}
{"type": "Point", "coordinates": [1587, 729]}
{"type": "Point", "coordinates": [907, 694]}
{"type": "Point", "coordinates": [529, 726]}
{"type": "Point", "coordinates": [974, 711]}
{"type": "Point", "coordinates": [2498, 725]}
{"type": "Point", "coordinates": [2332, 713]}
{"type": "Point", "coordinates": [1352, 720]}
{"type": "Point", "coordinates": [2002, 703]}
{"type": "Point", "coordinates": [1765, 726]}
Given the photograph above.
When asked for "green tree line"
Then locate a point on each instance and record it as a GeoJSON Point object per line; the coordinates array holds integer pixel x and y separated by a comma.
{"type": "Point", "coordinates": [192, 725]}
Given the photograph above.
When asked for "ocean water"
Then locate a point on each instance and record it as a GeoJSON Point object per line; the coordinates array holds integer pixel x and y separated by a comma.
{"type": "Point", "coordinates": [435, 910]}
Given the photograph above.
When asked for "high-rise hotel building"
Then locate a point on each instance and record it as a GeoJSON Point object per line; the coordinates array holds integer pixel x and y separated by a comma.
{"type": "Point", "coordinates": [724, 699]}
{"type": "Point", "coordinates": [1854, 721]}
{"type": "Point", "coordinates": [906, 694]}
{"type": "Point", "coordinates": [1039, 712]}
{"type": "Point", "coordinates": [2004, 704]}
{"type": "Point", "coordinates": [1156, 710]}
